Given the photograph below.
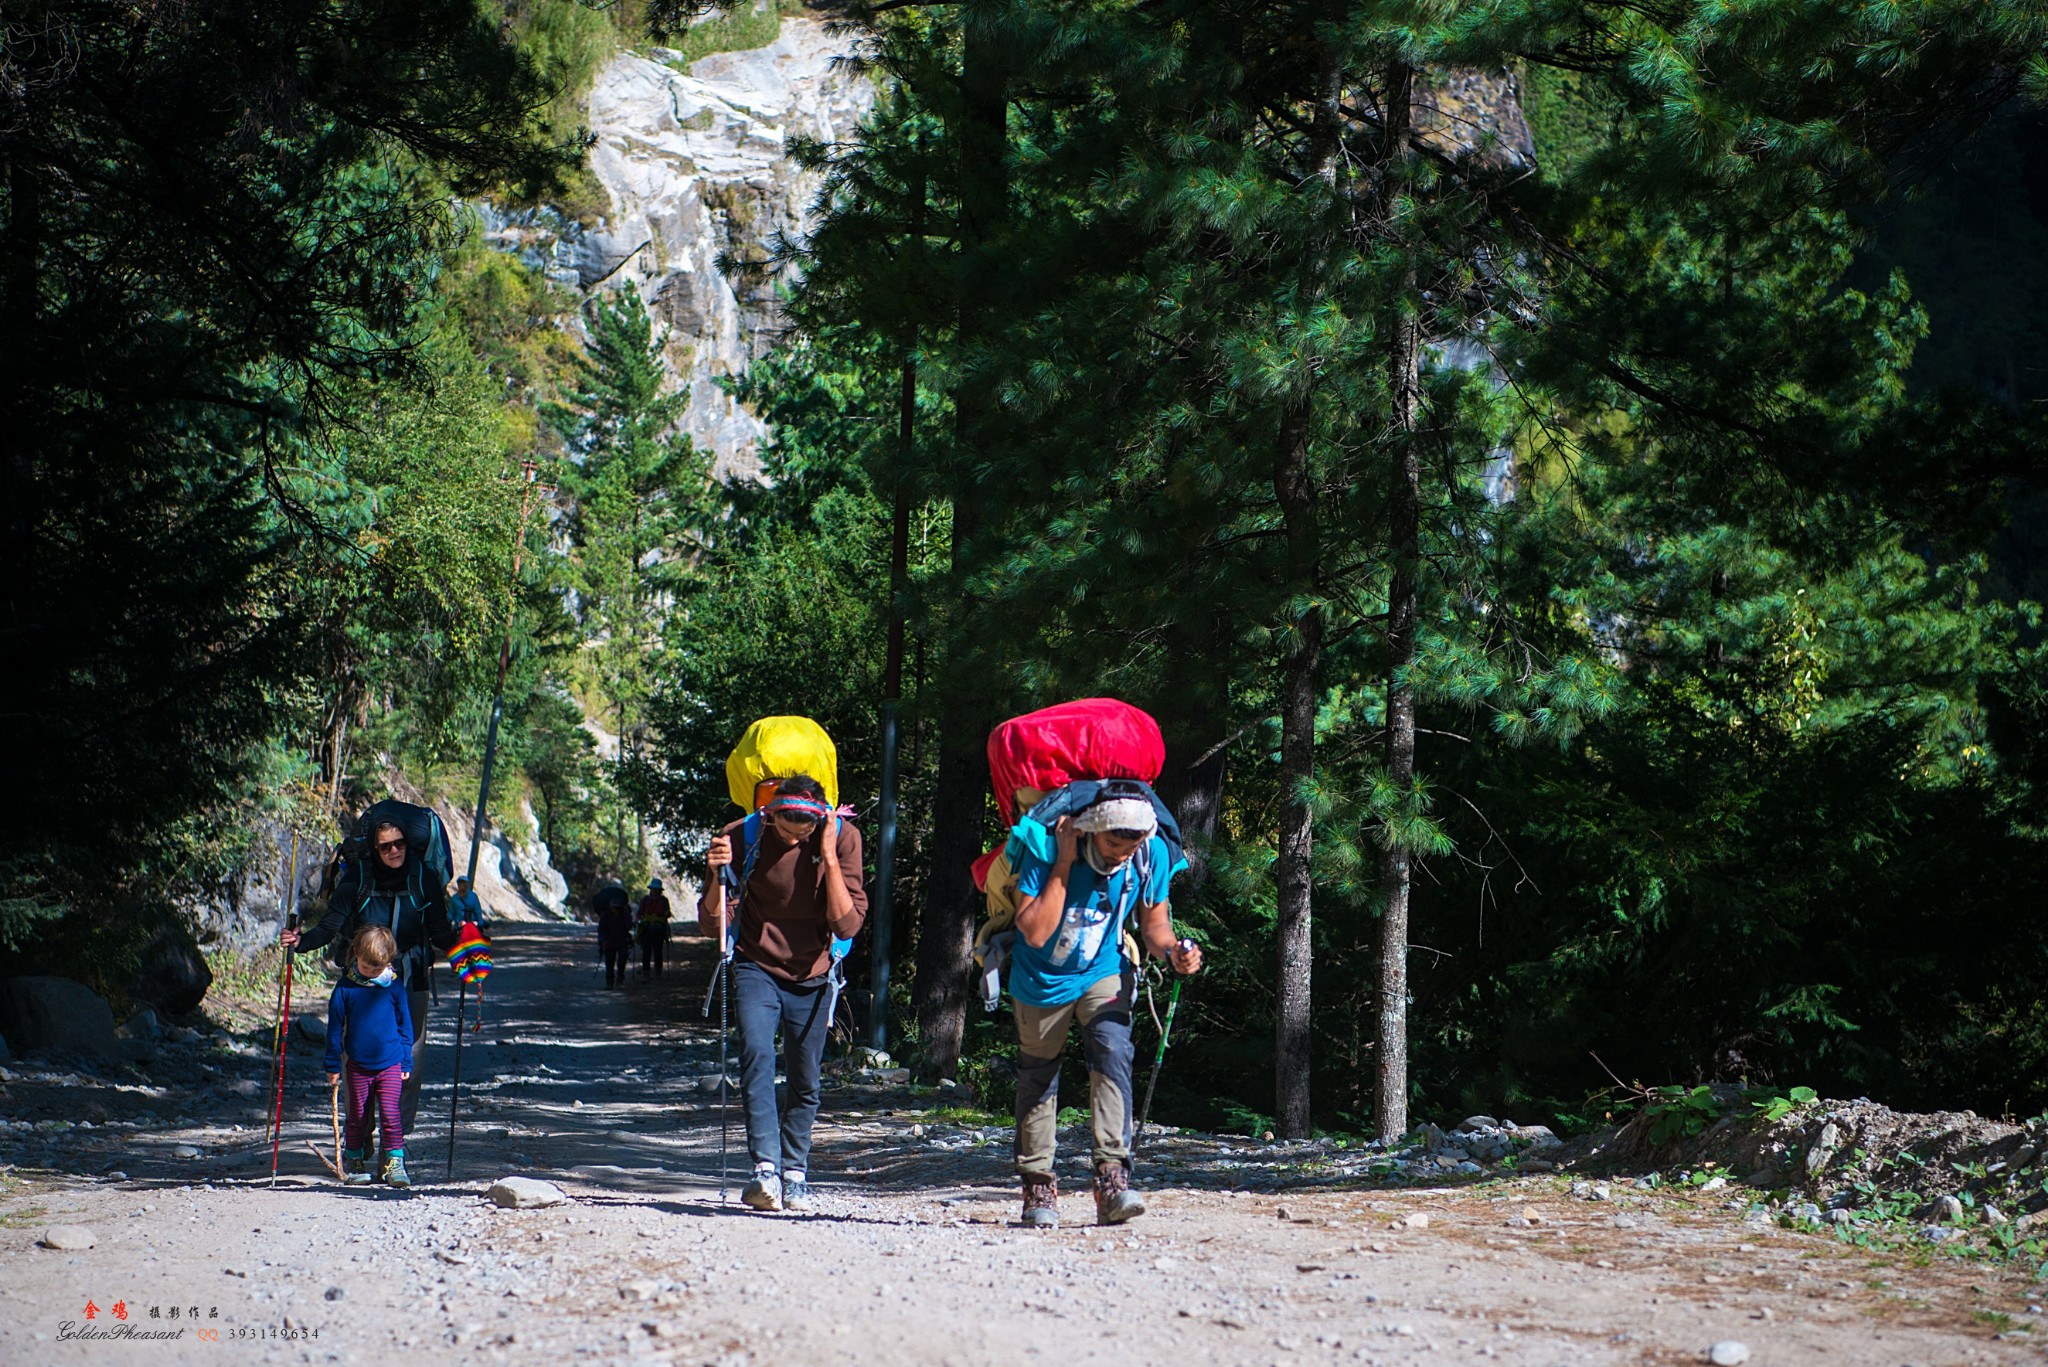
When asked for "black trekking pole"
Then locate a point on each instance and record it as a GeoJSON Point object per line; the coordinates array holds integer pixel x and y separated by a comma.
{"type": "Point", "coordinates": [721, 988]}
{"type": "Point", "coordinates": [455, 1098]}
{"type": "Point", "coordinates": [724, 1044]}
{"type": "Point", "coordinates": [1165, 1035]}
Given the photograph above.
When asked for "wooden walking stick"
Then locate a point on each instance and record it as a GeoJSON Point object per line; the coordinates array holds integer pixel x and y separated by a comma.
{"type": "Point", "coordinates": [281, 1036]}
{"type": "Point", "coordinates": [334, 1112]}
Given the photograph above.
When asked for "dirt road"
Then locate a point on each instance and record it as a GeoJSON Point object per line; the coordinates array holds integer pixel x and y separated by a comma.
{"type": "Point", "coordinates": [911, 1257]}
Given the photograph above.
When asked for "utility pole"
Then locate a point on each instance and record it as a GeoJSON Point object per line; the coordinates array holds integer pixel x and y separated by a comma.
{"type": "Point", "coordinates": [530, 486]}
{"type": "Point", "coordinates": [884, 925]}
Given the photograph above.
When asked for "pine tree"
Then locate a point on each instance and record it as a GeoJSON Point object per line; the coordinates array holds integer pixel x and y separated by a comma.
{"type": "Point", "coordinates": [642, 500]}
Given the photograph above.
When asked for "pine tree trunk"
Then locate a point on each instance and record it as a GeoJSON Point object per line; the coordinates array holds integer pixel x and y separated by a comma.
{"type": "Point", "coordinates": [946, 931]}
{"type": "Point", "coordinates": [1294, 486]}
{"type": "Point", "coordinates": [1405, 547]}
{"type": "Point", "coordinates": [1297, 767]}
{"type": "Point", "coordinates": [1197, 759]}
{"type": "Point", "coordinates": [945, 943]}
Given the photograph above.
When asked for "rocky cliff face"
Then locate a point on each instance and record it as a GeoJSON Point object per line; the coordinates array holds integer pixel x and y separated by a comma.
{"type": "Point", "coordinates": [696, 163]}
{"type": "Point", "coordinates": [515, 880]}
{"type": "Point", "coordinates": [246, 910]}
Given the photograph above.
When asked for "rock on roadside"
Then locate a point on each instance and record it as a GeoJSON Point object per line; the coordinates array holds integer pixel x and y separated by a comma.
{"type": "Point", "coordinates": [57, 1013]}
{"type": "Point", "coordinates": [521, 1193]}
{"type": "Point", "coordinates": [68, 1238]}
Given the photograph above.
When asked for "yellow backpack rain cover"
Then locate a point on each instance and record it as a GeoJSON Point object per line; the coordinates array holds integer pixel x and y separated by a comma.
{"type": "Point", "coordinates": [779, 748]}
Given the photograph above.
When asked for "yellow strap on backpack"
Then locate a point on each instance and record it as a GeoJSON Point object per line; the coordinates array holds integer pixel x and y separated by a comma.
{"type": "Point", "coordinates": [778, 748]}
{"type": "Point", "coordinates": [1003, 901]}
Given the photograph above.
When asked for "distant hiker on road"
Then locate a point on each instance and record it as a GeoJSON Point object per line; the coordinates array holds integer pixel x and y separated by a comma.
{"type": "Point", "coordinates": [395, 874]}
{"type": "Point", "coordinates": [651, 924]}
{"type": "Point", "coordinates": [369, 1043]}
{"type": "Point", "coordinates": [799, 886]}
{"type": "Point", "coordinates": [1067, 964]}
{"type": "Point", "coordinates": [614, 933]}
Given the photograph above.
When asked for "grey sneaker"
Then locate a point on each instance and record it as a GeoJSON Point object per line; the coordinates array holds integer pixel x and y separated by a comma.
{"type": "Point", "coordinates": [1115, 1202]}
{"type": "Point", "coordinates": [1041, 1201]}
{"type": "Point", "coordinates": [796, 1194]}
{"type": "Point", "coordinates": [764, 1192]}
{"type": "Point", "coordinates": [394, 1169]}
{"type": "Point", "coordinates": [355, 1168]}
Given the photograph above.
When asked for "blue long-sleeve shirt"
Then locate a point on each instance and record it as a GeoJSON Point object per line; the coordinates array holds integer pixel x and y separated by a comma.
{"type": "Point", "coordinates": [371, 1023]}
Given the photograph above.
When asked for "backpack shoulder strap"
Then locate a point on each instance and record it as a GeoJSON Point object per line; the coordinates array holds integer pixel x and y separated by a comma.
{"type": "Point", "coordinates": [737, 874]}
{"type": "Point", "coordinates": [1135, 879]}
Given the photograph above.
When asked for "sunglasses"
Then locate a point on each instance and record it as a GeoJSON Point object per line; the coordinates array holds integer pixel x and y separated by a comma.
{"type": "Point", "coordinates": [804, 819]}
{"type": "Point", "coordinates": [391, 844]}
{"type": "Point", "coordinates": [1128, 835]}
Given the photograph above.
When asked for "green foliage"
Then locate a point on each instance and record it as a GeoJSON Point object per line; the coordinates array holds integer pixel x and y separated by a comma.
{"type": "Point", "coordinates": [1681, 1113]}
{"type": "Point", "coordinates": [1572, 117]}
{"type": "Point", "coordinates": [274, 224]}
{"type": "Point", "coordinates": [1772, 1109]}
{"type": "Point", "coordinates": [746, 25]}
{"type": "Point", "coordinates": [778, 624]}
{"type": "Point", "coordinates": [567, 41]}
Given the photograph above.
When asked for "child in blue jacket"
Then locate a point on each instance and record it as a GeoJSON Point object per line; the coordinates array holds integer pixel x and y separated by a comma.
{"type": "Point", "coordinates": [369, 1023]}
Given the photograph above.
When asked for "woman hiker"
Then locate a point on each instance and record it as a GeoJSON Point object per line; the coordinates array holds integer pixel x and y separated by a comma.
{"type": "Point", "coordinates": [1067, 965]}
{"type": "Point", "coordinates": [383, 891]}
{"type": "Point", "coordinates": [800, 888]}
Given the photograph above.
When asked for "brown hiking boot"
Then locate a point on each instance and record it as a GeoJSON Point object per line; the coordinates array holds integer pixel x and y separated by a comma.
{"type": "Point", "coordinates": [1115, 1202]}
{"type": "Point", "coordinates": [1041, 1200]}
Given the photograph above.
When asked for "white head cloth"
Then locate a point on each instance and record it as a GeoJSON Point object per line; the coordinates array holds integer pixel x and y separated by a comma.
{"type": "Point", "coordinates": [1118, 814]}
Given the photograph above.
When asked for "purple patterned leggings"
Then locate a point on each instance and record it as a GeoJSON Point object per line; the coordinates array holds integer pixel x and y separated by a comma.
{"type": "Point", "coordinates": [382, 1084]}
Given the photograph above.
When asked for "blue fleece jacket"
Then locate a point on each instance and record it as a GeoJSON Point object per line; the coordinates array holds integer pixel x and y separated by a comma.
{"type": "Point", "coordinates": [371, 1022]}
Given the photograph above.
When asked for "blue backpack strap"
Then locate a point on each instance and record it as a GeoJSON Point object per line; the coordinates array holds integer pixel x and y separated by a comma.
{"type": "Point", "coordinates": [736, 883]}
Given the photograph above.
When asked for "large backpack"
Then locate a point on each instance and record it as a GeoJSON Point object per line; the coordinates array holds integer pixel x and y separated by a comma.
{"type": "Point", "coordinates": [1032, 835]}
{"type": "Point", "coordinates": [429, 866]}
{"type": "Point", "coordinates": [1064, 751]}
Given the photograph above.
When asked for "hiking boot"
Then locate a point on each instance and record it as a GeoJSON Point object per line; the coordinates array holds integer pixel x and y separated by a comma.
{"type": "Point", "coordinates": [764, 1192]}
{"type": "Point", "coordinates": [355, 1168]}
{"type": "Point", "coordinates": [395, 1174]}
{"type": "Point", "coordinates": [1115, 1202]}
{"type": "Point", "coordinates": [796, 1194]}
{"type": "Point", "coordinates": [1041, 1200]}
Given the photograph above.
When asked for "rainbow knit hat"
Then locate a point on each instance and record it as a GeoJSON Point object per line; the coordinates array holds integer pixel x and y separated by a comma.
{"type": "Point", "coordinates": [471, 957]}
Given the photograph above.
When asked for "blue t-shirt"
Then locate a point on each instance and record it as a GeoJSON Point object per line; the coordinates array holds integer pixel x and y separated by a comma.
{"type": "Point", "coordinates": [1086, 947]}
